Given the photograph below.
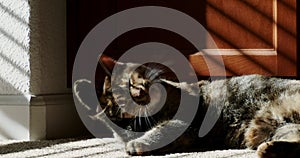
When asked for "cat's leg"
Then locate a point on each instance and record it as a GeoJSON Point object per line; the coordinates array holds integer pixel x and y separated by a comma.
{"type": "Point", "coordinates": [260, 130]}
{"type": "Point", "coordinates": [285, 143]}
{"type": "Point", "coordinates": [156, 138]}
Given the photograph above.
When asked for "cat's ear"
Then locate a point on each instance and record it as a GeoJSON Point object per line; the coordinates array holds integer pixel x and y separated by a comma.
{"type": "Point", "coordinates": [106, 85]}
{"type": "Point", "coordinates": [108, 63]}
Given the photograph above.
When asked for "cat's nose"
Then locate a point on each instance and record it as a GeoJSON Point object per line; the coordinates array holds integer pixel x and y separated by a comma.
{"type": "Point", "coordinates": [135, 92]}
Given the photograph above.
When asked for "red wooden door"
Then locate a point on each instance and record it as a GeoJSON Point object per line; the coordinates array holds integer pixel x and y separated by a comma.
{"type": "Point", "coordinates": [253, 36]}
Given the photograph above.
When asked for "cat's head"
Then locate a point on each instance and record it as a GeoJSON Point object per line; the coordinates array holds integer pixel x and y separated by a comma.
{"type": "Point", "coordinates": [142, 82]}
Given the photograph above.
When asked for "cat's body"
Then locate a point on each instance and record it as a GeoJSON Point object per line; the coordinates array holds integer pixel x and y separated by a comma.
{"type": "Point", "coordinates": [257, 112]}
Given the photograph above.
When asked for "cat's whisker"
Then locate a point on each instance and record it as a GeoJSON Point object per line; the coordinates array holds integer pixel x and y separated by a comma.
{"type": "Point", "coordinates": [118, 111]}
{"type": "Point", "coordinates": [140, 122]}
{"type": "Point", "coordinates": [145, 112]}
{"type": "Point", "coordinates": [134, 124]}
{"type": "Point", "coordinates": [135, 120]}
{"type": "Point", "coordinates": [149, 116]}
{"type": "Point", "coordinates": [149, 125]}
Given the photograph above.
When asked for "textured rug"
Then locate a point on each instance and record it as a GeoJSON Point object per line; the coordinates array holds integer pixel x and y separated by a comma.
{"type": "Point", "coordinates": [95, 147]}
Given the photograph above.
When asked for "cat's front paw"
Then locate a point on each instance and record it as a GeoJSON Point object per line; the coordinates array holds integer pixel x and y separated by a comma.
{"type": "Point", "coordinates": [265, 150]}
{"type": "Point", "coordinates": [137, 147]}
{"type": "Point", "coordinates": [279, 149]}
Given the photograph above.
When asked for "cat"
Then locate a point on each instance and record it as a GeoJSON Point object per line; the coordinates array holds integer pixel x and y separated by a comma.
{"type": "Point", "coordinates": [257, 112]}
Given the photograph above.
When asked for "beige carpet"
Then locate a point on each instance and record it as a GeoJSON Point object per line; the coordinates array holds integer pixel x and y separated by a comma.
{"type": "Point", "coordinates": [105, 147]}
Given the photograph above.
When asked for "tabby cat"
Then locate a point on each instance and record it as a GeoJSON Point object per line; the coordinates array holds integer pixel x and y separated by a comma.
{"type": "Point", "coordinates": [257, 112]}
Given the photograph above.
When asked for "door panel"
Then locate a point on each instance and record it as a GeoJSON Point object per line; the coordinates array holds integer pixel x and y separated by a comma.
{"type": "Point", "coordinates": [253, 36]}
{"type": "Point", "coordinates": [239, 24]}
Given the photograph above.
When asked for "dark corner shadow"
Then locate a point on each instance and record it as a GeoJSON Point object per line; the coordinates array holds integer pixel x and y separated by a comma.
{"type": "Point", "coordinates": [29, 145]}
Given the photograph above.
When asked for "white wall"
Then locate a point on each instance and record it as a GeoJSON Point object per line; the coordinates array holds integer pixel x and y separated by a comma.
{"type": "Point", "coordinates": [32, 46]}
{"type": "Point", "coordinates": [14, 69]}
{"type": "Point", "coordinates": [35, 102]}
{"type": "Point", "coordinates": [14, 47]}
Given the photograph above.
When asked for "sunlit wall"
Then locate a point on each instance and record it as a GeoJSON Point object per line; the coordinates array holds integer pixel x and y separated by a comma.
{"type": "Point", "coordinates": [14, 47]}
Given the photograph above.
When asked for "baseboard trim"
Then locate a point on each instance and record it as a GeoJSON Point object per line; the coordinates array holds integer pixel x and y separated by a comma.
{"type": "Point", "coordinates": [17, 100]}
{"type": "Point", "coordinates": [39, 117]}
{"type": "Point", "coordinates": [15, 117]}
{"type": "Point", "coordinates": [52, 99]}
{"type": "Point", "coordinates": [61, 119]}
